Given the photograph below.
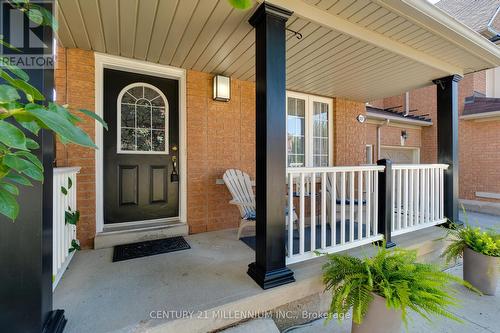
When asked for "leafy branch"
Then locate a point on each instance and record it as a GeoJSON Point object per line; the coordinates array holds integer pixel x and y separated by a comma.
{"type": "Point", "coordinates": [24, 112]}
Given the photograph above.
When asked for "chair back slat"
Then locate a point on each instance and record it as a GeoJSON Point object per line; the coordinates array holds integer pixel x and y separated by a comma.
{"type": "Point", "coordinates": [240, 187]}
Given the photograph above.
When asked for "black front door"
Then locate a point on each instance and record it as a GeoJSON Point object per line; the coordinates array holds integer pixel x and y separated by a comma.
{"type": "Point", "coordinates": [140, 147]}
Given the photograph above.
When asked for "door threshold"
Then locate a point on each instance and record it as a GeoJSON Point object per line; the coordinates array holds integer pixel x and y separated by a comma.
{"type": "Point", "coordinates": [143, 225]}
{"type": "Point", "coordinates": [128, 234]}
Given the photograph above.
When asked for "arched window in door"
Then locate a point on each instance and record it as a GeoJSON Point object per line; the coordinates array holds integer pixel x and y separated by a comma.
{"type": "Point", "coordinates": [142, 120]}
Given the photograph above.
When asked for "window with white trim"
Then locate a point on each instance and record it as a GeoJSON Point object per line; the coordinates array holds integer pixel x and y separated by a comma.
{"type": "Point", "coordinates": [142, 120]}
{"type": "Point", "coordinates": [309, 130]}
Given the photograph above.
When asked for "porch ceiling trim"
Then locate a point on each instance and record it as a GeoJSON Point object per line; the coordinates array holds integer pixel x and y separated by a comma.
{"type": "Point", "coordinates": [315, 14]}
{"type": "Point", "coordinates": [426, 15]}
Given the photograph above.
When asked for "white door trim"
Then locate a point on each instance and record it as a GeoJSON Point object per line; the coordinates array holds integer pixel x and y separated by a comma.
{"type": "Point", "coordinates": [103, 61]}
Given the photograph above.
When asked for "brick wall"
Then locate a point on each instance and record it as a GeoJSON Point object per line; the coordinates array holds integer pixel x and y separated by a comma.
{"type": "Point", "coordinates": [349, 135]}
{"type": "Point", "coordinates": [74, 81]}
{"type": "Point", "coordinates": [220, 136]}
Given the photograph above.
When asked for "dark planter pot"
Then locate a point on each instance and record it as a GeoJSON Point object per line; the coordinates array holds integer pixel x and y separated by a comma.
{"type": "Point", "coordinates": [379, 319]}
{"type": "Point", "coordinates": [481, 271]}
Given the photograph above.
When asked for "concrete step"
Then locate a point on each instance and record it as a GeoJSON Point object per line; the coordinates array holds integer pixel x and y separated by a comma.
{"type": "Point", "coordinates": [264, 325]}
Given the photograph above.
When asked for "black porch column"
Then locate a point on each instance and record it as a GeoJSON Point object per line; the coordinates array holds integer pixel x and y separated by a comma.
{"type": "Point", "coordinates": [447, 123]}
{"type": "Point", "coordinates": [26, 244]}
{"type": "Point", "coordinates": [269, 269]}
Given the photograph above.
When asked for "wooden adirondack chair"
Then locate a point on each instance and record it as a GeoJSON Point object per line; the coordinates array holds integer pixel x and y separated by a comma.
{"type": "Point", "coordinates": [240, 187]}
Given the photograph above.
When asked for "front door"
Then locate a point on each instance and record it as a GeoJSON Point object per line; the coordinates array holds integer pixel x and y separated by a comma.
{"type": "Point", "coordinates": [141, 147]}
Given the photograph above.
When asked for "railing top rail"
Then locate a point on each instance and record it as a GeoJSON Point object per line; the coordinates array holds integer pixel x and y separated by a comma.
{"type": "Point", "coordinates": [419, 166]}
{"type": "Point", "coordinates": [335, 169]}
{"type": "Point", "coordinates": [66, 170]}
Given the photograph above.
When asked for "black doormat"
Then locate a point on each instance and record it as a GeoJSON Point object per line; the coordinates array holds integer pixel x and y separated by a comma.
{"type": "Point", "coordinates": [149, 248]}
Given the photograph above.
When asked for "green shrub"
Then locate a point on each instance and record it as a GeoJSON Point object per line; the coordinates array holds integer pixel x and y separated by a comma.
{"type": "Point", "coordinates": [396, 276]}
{"type": "Point", "coordinates": [486, 242]}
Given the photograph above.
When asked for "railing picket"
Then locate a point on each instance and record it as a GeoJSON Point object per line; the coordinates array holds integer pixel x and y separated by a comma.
{"type": "Point", "coordinates": [405, 187]}
{"type": "Point", "coordinates": [323, 210]}
{"type": "Point", "coordinates": [422, 196]}
{"type": "Point", "coordinates": [360, 205]}
{"type": "Point", "coordinates": [352, 199]}
{"type": "Point", "coordinates": [417, 197]}
{"type": "Point", "coordinates": [290, 215]}
{"type": "Point", "coordinates": [410, 194]}
{"type": "Point", "coordinates": [313, 211]}
{"type": "Point", "coordinates": [441, 193]}
{"type": "Point", "coordinates": [302, 214]}
{"type": "Point", "coordinates": [342, 208]}
{"type": "Point", "coordinates": [368, 202]}
{"type": "Point", "coordinates": [432, 193]}
{"type": "Point", "coordinates": [334, 208]}
{"type": "Point", "coordinates": [437, 196]}
{"type": "Point", "coordinates": [399, 194]}
{"type": "Point", "coordinates": [393, 204]}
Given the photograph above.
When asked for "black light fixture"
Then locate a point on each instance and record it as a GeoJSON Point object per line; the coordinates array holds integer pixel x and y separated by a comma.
{"type": "Point", "coordinates": [222, 88]}
{"type": "Point", "coordinates": [404, 134]}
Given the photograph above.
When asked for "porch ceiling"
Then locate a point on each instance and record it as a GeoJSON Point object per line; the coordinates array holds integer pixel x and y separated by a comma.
{"type": "Point", "coordinates": [358, 49]}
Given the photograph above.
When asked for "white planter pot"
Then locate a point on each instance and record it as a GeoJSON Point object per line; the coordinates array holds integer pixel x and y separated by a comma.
{"type": "Point", "coordinates": [379, 319]}
{"type": "Point", "coordinates": [481, 271]}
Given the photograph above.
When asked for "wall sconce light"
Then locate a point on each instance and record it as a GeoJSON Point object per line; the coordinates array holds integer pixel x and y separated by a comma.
{"type": "Point", "coordinates": [404, 137]}
{"type": "Point", "coordinates": [222, 88]}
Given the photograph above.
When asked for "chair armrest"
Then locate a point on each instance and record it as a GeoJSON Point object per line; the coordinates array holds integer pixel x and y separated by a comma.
{"type": "Point", "coordinates": [241, 203]}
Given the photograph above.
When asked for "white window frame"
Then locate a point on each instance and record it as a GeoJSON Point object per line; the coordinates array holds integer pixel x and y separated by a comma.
{"type": "Point", "coordinates": [119, 149]}
{"type": "Point", "coordinates": [309, 125]}
{"type": "Point", "coordinates": [369, 151]}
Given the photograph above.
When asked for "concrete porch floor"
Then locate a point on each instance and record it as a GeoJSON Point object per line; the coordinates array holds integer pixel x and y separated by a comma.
{"type": "Point", "coordinates": [101, 296]}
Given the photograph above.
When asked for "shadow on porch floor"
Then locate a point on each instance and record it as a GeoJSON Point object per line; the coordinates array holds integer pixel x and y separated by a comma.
{"type": "Point", "coordinates": [101, 296]}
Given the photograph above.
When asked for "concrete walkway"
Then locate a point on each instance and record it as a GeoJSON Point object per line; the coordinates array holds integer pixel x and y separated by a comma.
{"type": "Point", "coordinates": [479, 314]}
{"type": "Point", "coordinates": [482, 220]}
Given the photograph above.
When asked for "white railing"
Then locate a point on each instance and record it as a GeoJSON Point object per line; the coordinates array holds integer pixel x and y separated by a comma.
{"type": "Point", "coordinates": [63, 233]}
{"type": "Point", "coordinates": [335, 208]}
{"type": "Point", "coordinates": [417, 197]}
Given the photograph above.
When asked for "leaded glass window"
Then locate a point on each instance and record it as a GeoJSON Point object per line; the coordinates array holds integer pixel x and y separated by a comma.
{"type": "Point", "coordinates": [142, 120]}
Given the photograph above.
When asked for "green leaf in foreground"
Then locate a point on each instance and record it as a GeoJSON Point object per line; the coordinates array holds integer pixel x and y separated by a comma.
{"type": "Point", "coordinates": [8, 205]}
{"type": "Point", "coordinates": [12, 136]}
{"type": "Point", "coordinates": [8, 94]}
{"type": "Point", "coordinates": [61, 126]}
{"type": "Point", "coordinates": [17, 178]}
{"type": "Point", "coordinates": [12, 189]}
{"type": "Point", "coordinates": [23, 166]}
{"type": "Point", "coordinates": [94, 116]}
{"type": "Point", "coordinates": [241, 4]}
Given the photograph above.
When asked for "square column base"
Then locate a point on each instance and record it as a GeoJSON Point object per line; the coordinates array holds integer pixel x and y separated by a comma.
{"type": "Point", "coordinates": [270, 279]}
{"type": "Point", "coordinates": [55, 322]}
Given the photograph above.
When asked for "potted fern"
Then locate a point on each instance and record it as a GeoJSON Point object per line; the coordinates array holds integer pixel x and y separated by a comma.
{"type": "Point", "coordinates": [481, 255]}
{"type": "Point", "coordinates": [381, 289]}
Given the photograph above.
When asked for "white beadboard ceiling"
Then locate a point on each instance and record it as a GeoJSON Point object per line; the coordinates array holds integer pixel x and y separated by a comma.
{"type": "Point", "coordinates": [210, 36]}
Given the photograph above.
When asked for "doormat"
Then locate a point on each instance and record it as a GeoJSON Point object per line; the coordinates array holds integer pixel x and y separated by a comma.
{"type": "Point", "coordinates": [149, 248]}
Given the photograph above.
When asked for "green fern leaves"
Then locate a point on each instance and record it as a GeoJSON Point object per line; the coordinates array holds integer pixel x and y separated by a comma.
{"type": "Point", "coordinates": [394, 275]}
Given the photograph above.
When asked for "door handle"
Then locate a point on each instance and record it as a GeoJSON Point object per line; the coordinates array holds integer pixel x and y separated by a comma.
{"type": "Point", "coordinates": [174, 177]}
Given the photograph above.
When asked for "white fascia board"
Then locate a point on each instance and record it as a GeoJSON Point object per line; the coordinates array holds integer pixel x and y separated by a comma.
{"type": "Point", "coordinates": [336, 23]}
{"type": "Point", "coordinates": [430, 17]}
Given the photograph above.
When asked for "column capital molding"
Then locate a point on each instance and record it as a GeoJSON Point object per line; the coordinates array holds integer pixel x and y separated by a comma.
{"type": "Point", "coordinates": [267, 9]}
{"type": "Point", "coordinates": [447, 79]}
